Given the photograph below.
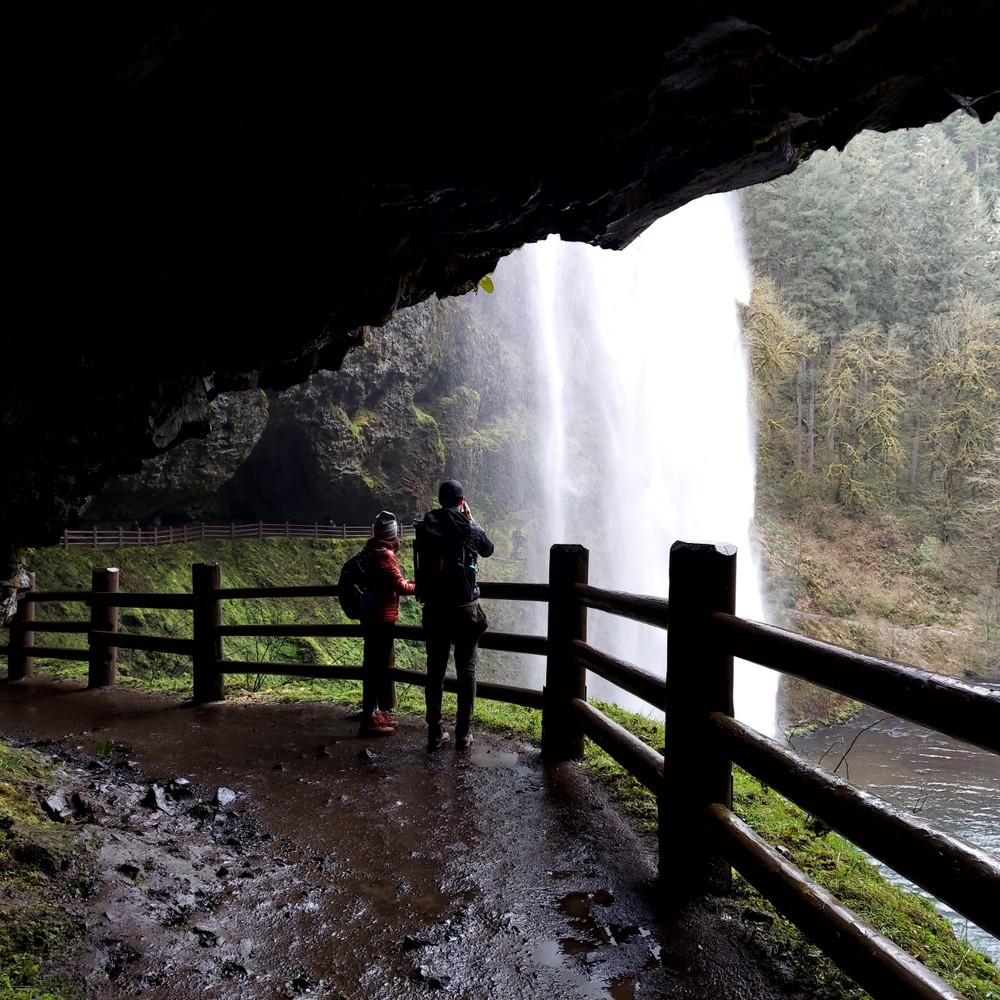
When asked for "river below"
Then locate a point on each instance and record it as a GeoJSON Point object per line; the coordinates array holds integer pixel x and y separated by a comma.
{"type": "Point", "coordinates": [951, 785]}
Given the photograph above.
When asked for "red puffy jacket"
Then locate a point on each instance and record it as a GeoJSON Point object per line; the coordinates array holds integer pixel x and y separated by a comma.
{"type": "Point", "coordinates": [389, 582]}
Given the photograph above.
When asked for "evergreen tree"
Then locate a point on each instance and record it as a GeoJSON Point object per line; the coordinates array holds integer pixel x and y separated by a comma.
{"type": "Point", "coordinates": [979, 520]}
{"type": "Point", "coordinates": [875, 165]}
{"type": "Point", "coordinates": [943, 230]}
{"type": "Point", "coordinates": [863, 399]}
{"type": "Point", "coordinates": [979, 147]}
{"type": "Point", "coordinates": [780, 351]}
{"type": "Point", "coordinates": [799, 236]}
{"type": "Point", "coordinates": [893, 229]}
{"type": "Point", "coordinates": [962, 377]}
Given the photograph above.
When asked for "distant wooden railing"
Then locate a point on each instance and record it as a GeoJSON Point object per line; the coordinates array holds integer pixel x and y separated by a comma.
{"type": "Point", "coordinates": [117, 538]}
{"type": "Point", "coordinates": [701, 840]}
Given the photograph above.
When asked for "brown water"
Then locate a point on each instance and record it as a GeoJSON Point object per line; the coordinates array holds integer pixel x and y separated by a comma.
{"type": "Point", "coordinates": [951, 785]}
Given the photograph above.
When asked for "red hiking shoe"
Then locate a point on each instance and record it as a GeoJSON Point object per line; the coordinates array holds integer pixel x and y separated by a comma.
{"type": "Point", "coordinates": [372, 727]}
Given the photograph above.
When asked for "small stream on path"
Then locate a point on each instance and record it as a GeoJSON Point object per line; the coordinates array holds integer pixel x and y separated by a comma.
{"type": "Point", "coordinates": [951, 785]}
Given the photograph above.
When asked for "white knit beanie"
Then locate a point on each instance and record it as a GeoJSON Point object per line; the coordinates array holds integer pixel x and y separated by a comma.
{"type": "Point", "coordinates": [385, 526]}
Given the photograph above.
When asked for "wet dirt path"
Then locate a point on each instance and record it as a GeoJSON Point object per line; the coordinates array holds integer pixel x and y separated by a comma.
{"type": "Point", "coordinates": [302, 861]}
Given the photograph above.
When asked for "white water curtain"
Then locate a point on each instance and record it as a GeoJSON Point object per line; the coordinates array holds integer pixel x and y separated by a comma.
{"type": "Point", "coordinates": [646, 432]}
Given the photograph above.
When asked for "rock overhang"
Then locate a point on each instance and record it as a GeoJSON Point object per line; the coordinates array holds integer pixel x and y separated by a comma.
{"type": "Point", "coordinates": [205, 198]}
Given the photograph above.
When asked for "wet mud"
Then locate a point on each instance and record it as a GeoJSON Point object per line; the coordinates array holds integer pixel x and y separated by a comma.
{"type": "Point", "coordinates": [264, 851]}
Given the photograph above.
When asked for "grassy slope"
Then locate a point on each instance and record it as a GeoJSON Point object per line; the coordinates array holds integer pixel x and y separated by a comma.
{"type": "Point", "coordinates": [881, 586]}
{"type": "Point", "coordinates": [829, 859]}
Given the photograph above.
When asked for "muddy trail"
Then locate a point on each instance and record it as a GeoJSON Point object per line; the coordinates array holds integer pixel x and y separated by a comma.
{"type": "Point", "coordinates": [264, 851]}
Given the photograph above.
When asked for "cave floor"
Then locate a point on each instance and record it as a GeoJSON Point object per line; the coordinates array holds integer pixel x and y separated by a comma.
{"type": "Point", "coordinates": [265, 851]}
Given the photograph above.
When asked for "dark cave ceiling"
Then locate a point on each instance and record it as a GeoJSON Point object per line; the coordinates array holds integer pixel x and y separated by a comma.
{"type": "Point", "coordinates": [204, 196]}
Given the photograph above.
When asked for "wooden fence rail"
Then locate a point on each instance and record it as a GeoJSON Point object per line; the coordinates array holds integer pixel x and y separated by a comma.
{"type": "Point", "coordinates": [701, 841]}
{"type": "Point", "coordinates": [117, 538]}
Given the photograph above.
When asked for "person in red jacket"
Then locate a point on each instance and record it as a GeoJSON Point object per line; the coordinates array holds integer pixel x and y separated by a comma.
{"type": "Point", "coordinates": [379, 624]}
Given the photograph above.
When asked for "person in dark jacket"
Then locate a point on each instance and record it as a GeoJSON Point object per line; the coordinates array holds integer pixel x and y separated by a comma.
{"type": "Point", "coordinates": [378, 625]}
{"type": "Point", "coordinates": [452, 615]}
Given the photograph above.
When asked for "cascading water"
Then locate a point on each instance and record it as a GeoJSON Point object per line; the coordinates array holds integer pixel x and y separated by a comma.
{"type": "Point", "coordinates": [644, 432]}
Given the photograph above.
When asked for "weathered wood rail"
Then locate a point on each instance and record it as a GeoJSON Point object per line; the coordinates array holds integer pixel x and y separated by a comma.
{"type": "Point", "coordinates": [701, 840]}
{"type": "Point", "coordinates": [176, 534]}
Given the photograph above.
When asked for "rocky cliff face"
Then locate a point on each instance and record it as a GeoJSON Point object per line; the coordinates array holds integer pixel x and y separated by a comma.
{"type": "Point", "coordinates": [182, 483]}
{"type": "Point", "coordinates": [425, 397]}
{"type": "Point", "coordinates": [347, 445]}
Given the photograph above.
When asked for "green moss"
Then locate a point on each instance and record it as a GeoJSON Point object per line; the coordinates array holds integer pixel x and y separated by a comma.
{"type": "Point", "coordinates": [14, 805]}
{"type": "Point", "coordinates": [34, 855]}
{"type": "Point", "coordinates": [362, 420]}
{"type": "Point", "coordinates": [23, 765]}
{"type": "Point", "coordinates": [423, 419]}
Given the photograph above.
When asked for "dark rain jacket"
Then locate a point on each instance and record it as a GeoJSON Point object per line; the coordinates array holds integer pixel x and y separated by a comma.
{"type": "Point", "coordinates": [449, 547]}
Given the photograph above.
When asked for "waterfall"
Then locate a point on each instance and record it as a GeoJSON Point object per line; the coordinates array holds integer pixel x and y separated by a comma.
{"type": "Point", "coordinates": [644, 435]}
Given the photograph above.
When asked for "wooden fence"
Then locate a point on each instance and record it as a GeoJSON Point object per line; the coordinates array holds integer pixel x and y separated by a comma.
{"type": "Point", "coordinates": [117, 538]}
{"type": "Point", "coordinates": [701, 840]}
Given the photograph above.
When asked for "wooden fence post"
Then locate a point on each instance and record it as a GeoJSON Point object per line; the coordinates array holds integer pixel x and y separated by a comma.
{"type": "Point", "coordinates": [207, 679]}
{"type": "Point", "coordinates": [699, 681]}
{"type": "Point", "coordinates": [562, 734]}
{"type": "Point", "coordinates": [103, 666]}
{"type": "Point", "coordinates": [20, 663]}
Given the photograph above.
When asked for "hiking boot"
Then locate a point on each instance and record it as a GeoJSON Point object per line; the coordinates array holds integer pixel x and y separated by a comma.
{"type": "Point", "coordinates": [436, 740]}
{"type": "Point", "coordinates": [463, 742]}
{"type": "Point", "coordinates": [373, 728]}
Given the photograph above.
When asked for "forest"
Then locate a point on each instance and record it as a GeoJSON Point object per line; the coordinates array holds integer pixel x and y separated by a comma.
{"type": "Point", "coordinates": [873, 337]}
{"type": "Point", "coordinates": [873, 327]}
